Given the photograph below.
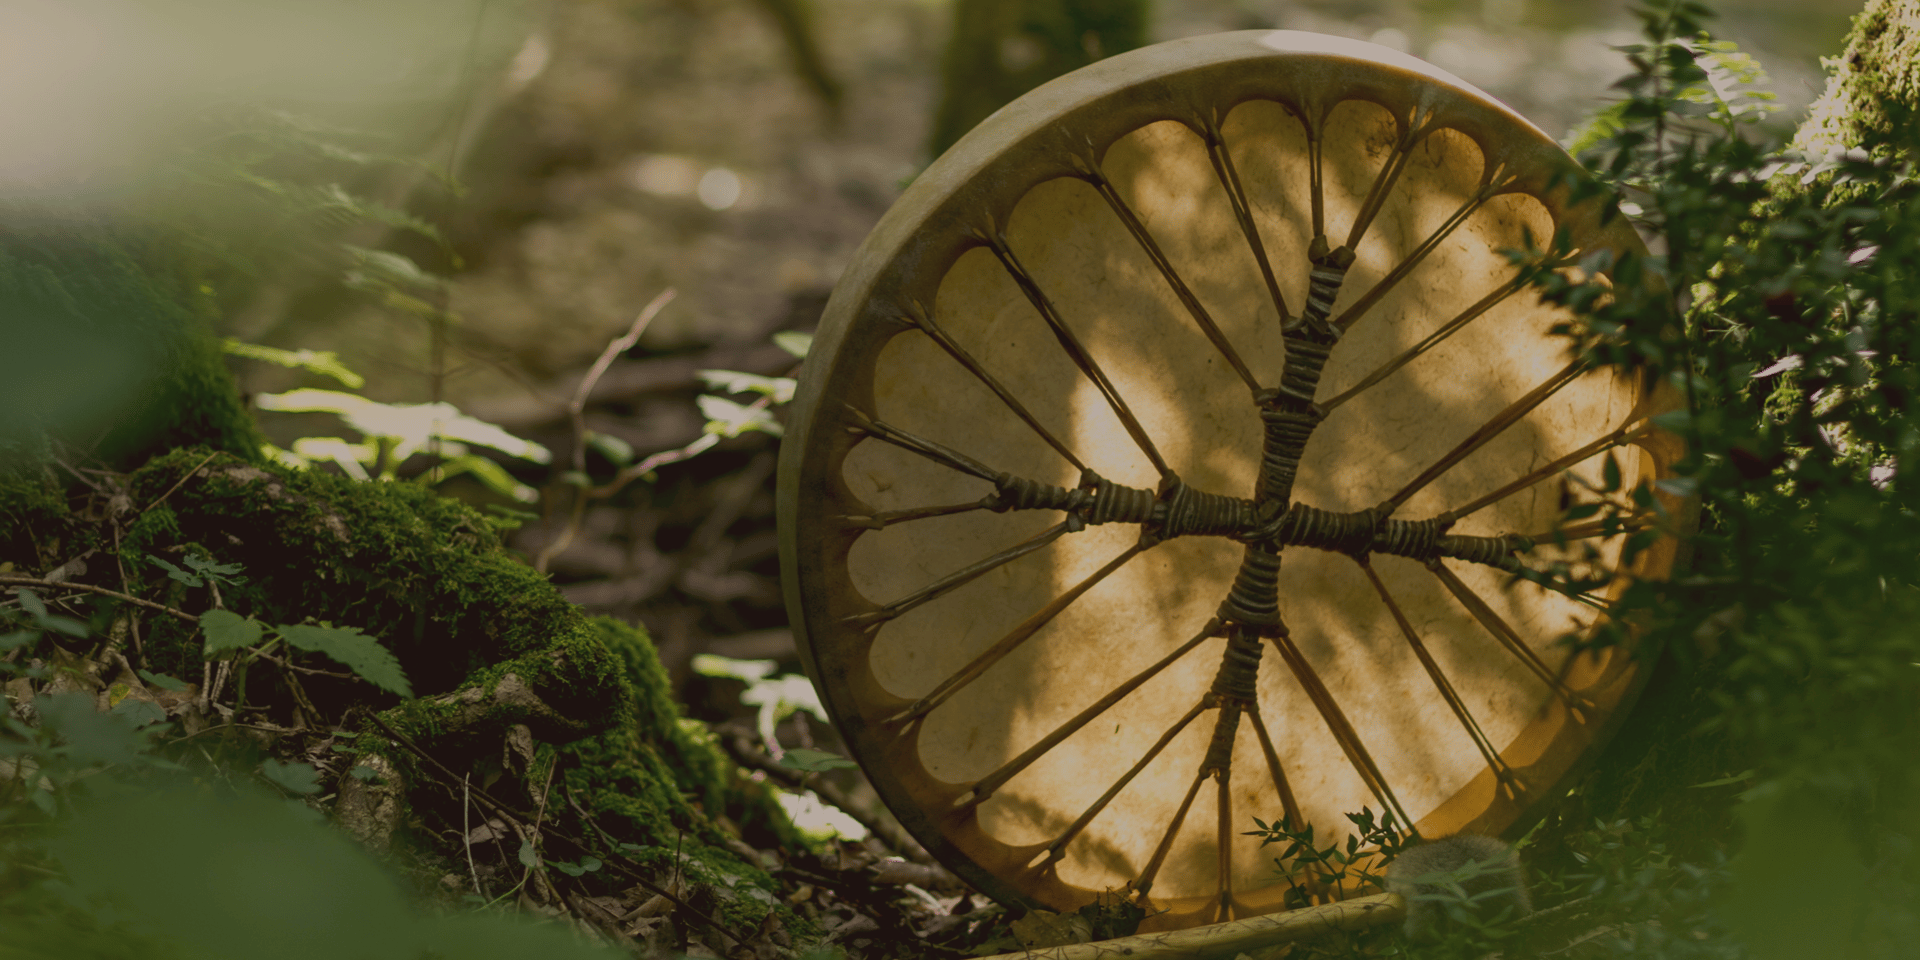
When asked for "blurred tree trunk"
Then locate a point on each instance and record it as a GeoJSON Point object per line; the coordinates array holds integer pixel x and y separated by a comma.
{"type": "Point", "coordinates": [795, 21]}
{"type": "Point", "coordinates": [1000, 49]}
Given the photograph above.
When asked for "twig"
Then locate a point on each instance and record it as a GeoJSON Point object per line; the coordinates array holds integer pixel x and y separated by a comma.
{"type": "Point", "coordinates": [658, 460]}
{"type": "Point", "coordinates": [1251, 936]}
{"type": "Point", "coordinates": [576, 408]}
{"type": "Point", "coordinates": [300, 699]}
{"type": "Point", "coordinates": [553, 765]}
{"type": "Point", "coordinates": [273, 728]}
{"type": "Point", "coordinates": [76, 475]}
{"type": "Point", "coordinates": [178, 483]}
{"type": "Point", "coordinates": [103, 591]}
{"type": "Point", "coordinates": [576, 412]}
{"type": "Point", "coordinates": [466, 834]}
{"type": "Point", "coordinates": [502, 810]}
{"type": "Point", "coordinates": [133, 624]}
{"type": "Point", "coordinates": [288, 664]}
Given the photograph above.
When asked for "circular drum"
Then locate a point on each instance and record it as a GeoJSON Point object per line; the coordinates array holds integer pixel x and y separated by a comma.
{"type": "Point", "coordinates": [1165, 458]}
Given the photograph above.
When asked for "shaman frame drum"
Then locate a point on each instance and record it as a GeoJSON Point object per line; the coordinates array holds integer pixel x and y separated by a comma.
{"type": "Point", "coordinates": [1165, 459]}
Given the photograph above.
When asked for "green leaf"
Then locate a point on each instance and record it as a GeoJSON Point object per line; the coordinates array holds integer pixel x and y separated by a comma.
{"type": "Point", "coordinates": [360, 653]}
{"type": "Point", "coordinates": [1741, 777]}
{"type": "Point", "coordinates": [30, 602]}
{"type": "Point", "coordinates": [528, 858]}
{"type": "Point", "coordinates": [733, 381]}
{"type": "Point", "coordinates": [323, 362]}
{"type": "Point", "coordinates": [376, 268]}
{"type": "Point", "coordinates": [617, 451]}
{"type": "Point", "coordinates": [1673, 421]}
{"type": "Point", "coordinates": [139, 712]}
{"type": "Point", "coordinates": [794, 342]}
{"type": "Point", "coordinates": [223, 572]}
{"type": "Point", "coordinates": [59, 624]}
{"type": "Point", "coordinates": [298, 778]}
{"type": "Point", "coordinates": [714, 665]}
{"type": "Point", "coordinates": [411, 425]}
{"type": "Point", "coordinates": [728, 419]}
{"type": "Point", "coordinates": [226, 632]}
{"type": "Point", "coordinates": [164, 682]}
{"type": "Point", "coordinates": [89, 735]}
{"type": "Point", "coordinates": [491, 475]}
{"type": "Point", "coordinates": [1581, 511]}
{"type": "Point", "coordinates": [1598, 128]}
{"type": "Point", "coordinates": [175, 572]}
{"type": "Point", "coordinates": [17, 638]}
{"type": "Point", "coordinates": [815, 761]}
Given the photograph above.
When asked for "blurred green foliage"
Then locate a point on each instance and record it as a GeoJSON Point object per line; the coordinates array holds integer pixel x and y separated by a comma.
{"type": "Point", "coordinates": [1782, 303]}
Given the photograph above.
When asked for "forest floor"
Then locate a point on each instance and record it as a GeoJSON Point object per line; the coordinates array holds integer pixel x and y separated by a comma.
{"type": "Point", "coordinates": [666, 145]}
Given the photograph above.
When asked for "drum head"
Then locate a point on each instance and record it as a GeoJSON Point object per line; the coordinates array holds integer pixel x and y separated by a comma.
{"type": "Point", "coordinates": [1165, 458]}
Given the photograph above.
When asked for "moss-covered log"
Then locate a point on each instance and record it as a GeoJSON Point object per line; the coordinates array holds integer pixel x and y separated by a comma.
{"type": "Point", "coordinates": [567, 720]}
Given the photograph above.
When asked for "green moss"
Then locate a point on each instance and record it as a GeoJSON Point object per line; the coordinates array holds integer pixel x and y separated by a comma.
{"type": "Point", "coordinates": [486, 642]}
{"type": "Point", "coordinates": [425, 574]}
{"type": "Point", "coordinates": [1872, 100]}
{"type": "Point", "coordinates": [33, 518]}
{"type": "Point", "coordinates": [689, 748]}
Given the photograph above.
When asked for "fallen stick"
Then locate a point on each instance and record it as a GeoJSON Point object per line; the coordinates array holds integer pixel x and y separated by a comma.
{"type": "Point", "coordinates": [1226, 940]}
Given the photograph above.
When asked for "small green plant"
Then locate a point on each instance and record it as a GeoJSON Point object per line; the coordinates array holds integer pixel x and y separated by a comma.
{"type": "Point", "coordinates": [726, 418]}
{"type": "Point", "coordinates": [1781, 303]}
{"type": "Point", "coordinates": [1314, 873]}
{"type": "Point", "coordinates": [230, 636]}
{"type": "Point", "coordinates": [204, 570]}
{"type": "Point", "coordinates": [390, 433]}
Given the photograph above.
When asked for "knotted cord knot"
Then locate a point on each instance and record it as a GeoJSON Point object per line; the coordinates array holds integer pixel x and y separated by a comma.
{"type": "Point", "coordinates": [1492, 551]}
{"type": "Point", "coordinates": [1287, 434]}
{"type": "Point", "coordinates": [1300, 374]}
{"type": "Point", "coordinates": [1239, 667]}
{"type": "Point", "coordinates": [1183, 510]}
{"type": "Point", "coordinates": [1269, 520]}
{"type": "Point", "coordinates": [1418, 539]}
{"type": "Point", "coordinates": [1348, 533]}
{"type": "Point", "coordinates": [1113, 503]}
{"type": "Point", "coordinates": [1096, 500]}
{"type": "Point", "coordinates": [1254, 599]}
{"type": "Point", "coordinates": [1329, 272]}
{"type": "Point", "coordinates": [1021, 493]}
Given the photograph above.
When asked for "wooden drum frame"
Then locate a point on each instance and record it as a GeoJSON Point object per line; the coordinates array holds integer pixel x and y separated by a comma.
{"type": "Point", "coordinates": [1145, 334]}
